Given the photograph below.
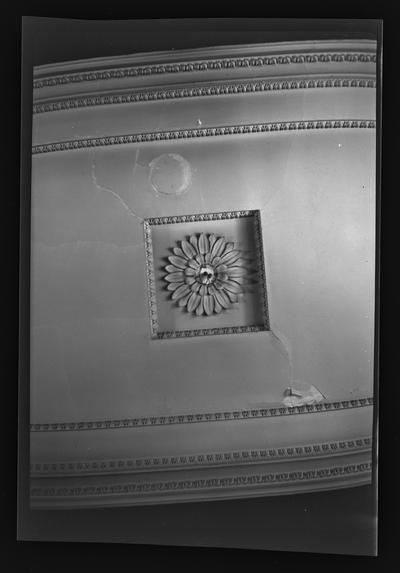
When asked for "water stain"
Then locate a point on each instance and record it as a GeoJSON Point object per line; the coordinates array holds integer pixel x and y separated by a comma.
{"type": "Point", "coordinates": [170, 174]}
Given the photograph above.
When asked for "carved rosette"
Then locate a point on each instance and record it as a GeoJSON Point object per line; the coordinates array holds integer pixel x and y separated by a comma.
{"type": "Point", "coordinates": [205, 274]}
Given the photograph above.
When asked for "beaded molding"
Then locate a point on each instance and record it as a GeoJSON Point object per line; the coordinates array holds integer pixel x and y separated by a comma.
{"type": "Point", "coordinates": [139, 488]}
{"type": "Point", "coordinates": [196, 460]}
{"type": "Point", "coordinates": [272, 412]}
{"type": "Point", "coordinates": [204, 65]}
{"type": "Point", "coordinates": [203, 132]}
{"type": "Point", "coordinates": [203, 91]}
{"type": "Point", "coordinates": [166, 334]}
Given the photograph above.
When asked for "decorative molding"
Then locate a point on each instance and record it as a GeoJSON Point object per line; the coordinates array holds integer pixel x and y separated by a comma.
{"type": "Point", "coordinates": [166, 334]}
{"type": "Point", "coordinates": [204, 65]}
{"type": "Point", "coordinates": [223, 89]}
{"type": "Point", "coordinates": [151, 280]}
{"type": "Point", "coordinates": [261, 268]}
{"type": "Point", "coordinates": [243, 129]}
{"type": "Point", "coordinates": [200, 217]}
{"type": "Point", "coordinates": [237, 481]}
{"type": "Point", "coordinates": [271, 412]}
{"type": "Point", "coordinates": [241, 457]}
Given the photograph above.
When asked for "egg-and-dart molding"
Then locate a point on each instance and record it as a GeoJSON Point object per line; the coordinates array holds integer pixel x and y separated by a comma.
{"type": "Point", "coordinates": [204, 65]}
{"type": "Point", "coordinates": [243, 129]}
{"type": "Point", "coordinates": [202, 91]}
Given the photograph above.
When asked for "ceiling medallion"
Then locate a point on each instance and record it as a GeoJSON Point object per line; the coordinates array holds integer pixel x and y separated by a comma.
{"type": "Point", "coordinates": [205, 274]}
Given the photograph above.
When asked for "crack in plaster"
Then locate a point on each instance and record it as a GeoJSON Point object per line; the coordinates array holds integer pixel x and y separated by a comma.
{"type": "Point", "coordinates": [113, 193]}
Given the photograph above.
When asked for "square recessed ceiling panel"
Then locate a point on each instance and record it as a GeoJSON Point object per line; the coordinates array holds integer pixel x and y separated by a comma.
{"type": "Point", "coordinates": [206, 274]}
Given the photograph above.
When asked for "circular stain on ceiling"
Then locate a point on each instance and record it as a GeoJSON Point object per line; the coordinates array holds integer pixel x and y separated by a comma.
{"type": "Point", "coordinates": [170, 174]}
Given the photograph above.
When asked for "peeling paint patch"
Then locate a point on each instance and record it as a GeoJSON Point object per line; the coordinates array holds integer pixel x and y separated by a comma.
{"type": "Point", "coordinates": [170, 174]}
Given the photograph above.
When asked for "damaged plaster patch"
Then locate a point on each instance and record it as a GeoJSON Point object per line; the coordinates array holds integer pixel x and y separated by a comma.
{"type": "Point", "coordinates": [297, 393]}
{"type": "Point", "coordinates": [170, 174]}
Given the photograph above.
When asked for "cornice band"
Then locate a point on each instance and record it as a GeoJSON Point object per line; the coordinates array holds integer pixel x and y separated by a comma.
{"type": "Point", "coordinates": [243, 129]}
{"type": "Point", "coordinates": [205, 65]}
{"type": "Point", "coordinates": [203, 91]}
{"type": "Point", "coordinates": [242, 457]}
{"type": "Point", "coordinates": [324, 406]}
{"type": "Point", "coordinates": [140, 488]}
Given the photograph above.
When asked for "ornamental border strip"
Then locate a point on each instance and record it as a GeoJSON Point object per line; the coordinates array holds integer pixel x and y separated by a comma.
{"type": "Point", "coordinates": [254, 413]}
{"type": "Point", "coordinates": [180, 134]}
{"type": "Point", "coordinates": [204, 65]}
{"type": "Point", "coordinates": [42, 469]}
{"type": "Point", "coordinates": [221, 89]}
{"type": "Point", "coordinates": [152, 297]}
{"type": "Point", "coordinates": [138, 488]}
{"type": "Point", "coordinates": [151, 280]}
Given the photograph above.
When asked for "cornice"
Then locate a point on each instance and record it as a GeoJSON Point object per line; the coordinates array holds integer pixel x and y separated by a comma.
{"type": "Point", "coordinates": [210, 64]}
{"type": "Point", "coordinates": [242, 457]}
{"type": "Point", "coordinates": [237, 481]}
{"type": "Point", "coordinates": [272, 412]}
{"type": "Point", "coordinates": [243, 129]}
{"type": "Point", "coordinates": [221, 89]}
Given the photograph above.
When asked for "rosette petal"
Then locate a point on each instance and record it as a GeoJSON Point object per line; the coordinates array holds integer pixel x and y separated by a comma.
{"type": "Point", "coordinates": [221, 297]}
{"type": "Point", "coordinates": [204, 245]}
{"type": "Point", "coordinates": [175, 277]}
{"type": "Point", "coordinates": [184, 300]}
{"type": "Point", "coordinates": [178, 251]}
{"type": "Point", "coordinates": [190, 272]}
{"type": "Point", "coordinates": [193, 263]}
{"type": "Point", "coordinates": [211, 239]}
{"type": "Point", "coordinates": [228, 258]}
{"type": "Point", "coordinates": [195, 286]}
{"type": "Point", "coordinates": [232, 297]}
{"type": "Point", "coordinates": [221, 269]}
{"type": "Point", "coordinates": [222, 277]}
{"type": "Point", "coordinates": [232, 287]}
{"type": "Point", "coordinates": [208, 303]}
{"type": "Point", "coordinates": [200, 307]}
{"type": "Point", "coordinates": [236, 272]}
{"type": "Point", "coordinates": [173, 286]}
{"type": "Point", "coordinates": [193, 301]}
{"type": "Point", "coordinates": [188, 249]}
{"type": "Point", "coordinates": [178, 261]}
{"type": "Point", "coordinates": [190, 280]}
{"type": "Point", "coordinates": [203, 290]}
{"type": "Point", "coordinates": [218, 247]}
{"type": "Point", "coordinates": [171, 269]}
{"type": "Point", "coordinates": [228, 247]}
{"type": "Point", "coordinates": [193, 241]}
{"type": "Point", "coordinates": [180, 291]}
